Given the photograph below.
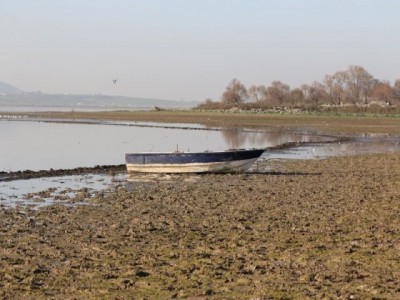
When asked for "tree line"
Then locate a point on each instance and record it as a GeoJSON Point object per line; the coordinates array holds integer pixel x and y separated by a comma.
{"type": "Point", "coordinates": [353, 87]}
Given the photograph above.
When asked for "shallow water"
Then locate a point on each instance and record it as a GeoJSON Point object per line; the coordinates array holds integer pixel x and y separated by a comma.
{"type": "Point", "coordinates": [43, 145]}
{"type": "Point", "coordinates": [355, 146]}
{"type": "Point", "coordinates": [33, 145]}
{"type": "Point", "coordinates": [38, 192]}
{"type": "Point", "coordinates": [27, 192]}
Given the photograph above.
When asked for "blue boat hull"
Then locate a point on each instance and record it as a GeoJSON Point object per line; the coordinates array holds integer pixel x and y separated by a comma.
{"type": "Point", "coordinates": [192, 162]}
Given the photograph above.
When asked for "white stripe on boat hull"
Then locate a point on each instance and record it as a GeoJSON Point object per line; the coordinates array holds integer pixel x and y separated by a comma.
{"type": "Point", "coordinates": [215, 167]}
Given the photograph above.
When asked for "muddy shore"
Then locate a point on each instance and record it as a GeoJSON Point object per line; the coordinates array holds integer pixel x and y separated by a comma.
{"type": "Point", "coordinates": [314, 229]}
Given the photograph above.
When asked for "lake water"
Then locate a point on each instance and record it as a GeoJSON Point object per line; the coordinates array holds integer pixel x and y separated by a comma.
{"type": "Point", "coordinates": [34, 145]}
{"type": "Point", "coordinates": [41, 145]}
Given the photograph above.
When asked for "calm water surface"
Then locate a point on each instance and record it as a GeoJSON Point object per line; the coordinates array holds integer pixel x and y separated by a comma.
{"type": "Point", "coordinates": [37, 145]}
{"type": "Point", "coordinates": [33, 145]}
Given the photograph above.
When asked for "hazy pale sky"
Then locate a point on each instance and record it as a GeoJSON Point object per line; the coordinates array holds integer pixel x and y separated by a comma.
{"type": "Point", "coordinates": [191, 49]}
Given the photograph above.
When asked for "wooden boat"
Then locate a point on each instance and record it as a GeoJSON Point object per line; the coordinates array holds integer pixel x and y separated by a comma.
{"type": "Point", "coordinates": [192, 162]}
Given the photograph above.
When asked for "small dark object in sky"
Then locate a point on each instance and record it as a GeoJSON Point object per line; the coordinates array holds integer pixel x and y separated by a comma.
{"type": "Point", "coordinates": [114, 80]}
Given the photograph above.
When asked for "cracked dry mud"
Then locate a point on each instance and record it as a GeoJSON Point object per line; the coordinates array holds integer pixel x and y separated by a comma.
{"type": "Point", "coordinates": [316, 229]}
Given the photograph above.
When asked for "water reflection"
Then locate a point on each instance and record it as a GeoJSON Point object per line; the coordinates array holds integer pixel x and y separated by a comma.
{"type": "Point", "coordinates": [43, 145]}
{"type": "Point", "coordinates": [37, 145]}
{"type": "Point", "coordinates": [239, 138]}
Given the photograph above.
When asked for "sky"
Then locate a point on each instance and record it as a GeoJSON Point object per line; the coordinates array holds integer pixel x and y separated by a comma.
{"type": "Point", "coordinates": [191, 49]}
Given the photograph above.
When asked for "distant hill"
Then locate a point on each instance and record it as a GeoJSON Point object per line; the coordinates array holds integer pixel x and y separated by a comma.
{"type": "Point", "coordinates": [11, 96]}
{"type": "Point", "coordinates": [8, 89]}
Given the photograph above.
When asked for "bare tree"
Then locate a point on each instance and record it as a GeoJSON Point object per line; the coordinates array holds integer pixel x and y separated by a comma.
{"type": "Point", "coordinates": [354, 85]}
{"type": "Point", "coordinates": [336, 87]}
{"type": "Point", "coordinates": [305, 88]}
{"type": "Point", "coordinates": [296, 97]}
{"type": "Point", "coordinates": [384, 92]}
{"type": "Point", "coordinates": [318, 93]}
{"type": "Point", "coordinates": [235, 93]}
{"type": "Point", "coordinates": [397, 88]}
{"type": "Point", "coordinates": [277, 92]}
{"type": "Point", "coordinates": [359, 84]}
{"type": "Point", "coordinates": [257, 93]}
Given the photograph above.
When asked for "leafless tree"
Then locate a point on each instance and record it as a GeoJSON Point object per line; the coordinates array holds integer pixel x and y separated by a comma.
{"type": "Point", "coordinates": [277, 92]}
{"type": "Point", "coordinates": [354, 85]}
{"type": "Point", "coordinates": [397, 88]}
{"type": "Point", "coordinates": [235, 93]}
{"type": "Point", "coordinates": [296, 97]}
{"type": "Point", "coordinates": [359, 84]}
{"type": "Point", "coordinates": [383, 91]}
{"type": "Point", "coordinates": [257, 93]}
{"type": "Point", "coordinates": [305, 88]}
{"type": "Point", "coordinates": [336, 87]}
{"type": "Point", "coordinates": [317, 93]}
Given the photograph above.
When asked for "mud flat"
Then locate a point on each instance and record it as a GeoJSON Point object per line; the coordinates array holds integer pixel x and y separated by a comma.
{"type": "Point", "coordinates": [310, 230]}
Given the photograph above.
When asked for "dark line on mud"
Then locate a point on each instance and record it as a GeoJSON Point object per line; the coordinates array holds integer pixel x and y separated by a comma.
{"type": "Point", "coordinates": [28, 174]}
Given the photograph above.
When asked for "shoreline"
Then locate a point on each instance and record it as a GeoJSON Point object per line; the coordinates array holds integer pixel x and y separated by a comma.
{"type": "Point", "coordinates": [121, 168]}
{"type": "Point", "coordinates": [102, 169]}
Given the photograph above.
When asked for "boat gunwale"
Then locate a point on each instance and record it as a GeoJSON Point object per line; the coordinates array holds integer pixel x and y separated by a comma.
{"type": "Point", "coordinates": [198, 152]}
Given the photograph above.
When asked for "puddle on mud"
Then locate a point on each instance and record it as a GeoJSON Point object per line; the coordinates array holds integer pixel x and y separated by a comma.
{"type": "Point", "coordinates": [354, 146]}
{"type": "Point", "coordinates": [68, 190]}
